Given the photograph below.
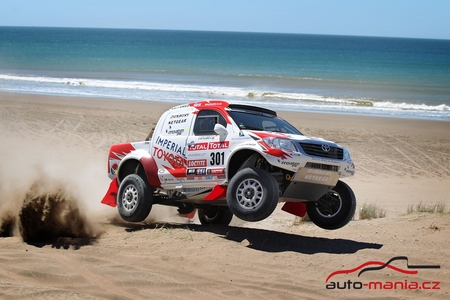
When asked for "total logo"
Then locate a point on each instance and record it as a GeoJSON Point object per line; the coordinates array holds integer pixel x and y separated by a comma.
{"type": "Point", "coordinates": [218, 145]}
{"type": "Point", "coordinates": [209, 146]}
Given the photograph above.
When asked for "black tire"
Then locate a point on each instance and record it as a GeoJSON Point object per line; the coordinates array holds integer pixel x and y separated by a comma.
{"type": "Point", "coordinates": [252, 194]}
{"type": "Point", "coordinates": [215, 216]}
{"type": "Point", "coordinates": [335, 209]}
{"type": "Point", "coordinates": [134, 199]}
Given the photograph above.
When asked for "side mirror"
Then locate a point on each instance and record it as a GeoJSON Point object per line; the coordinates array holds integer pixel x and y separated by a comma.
{"type": "Point", "coordinates": [220, 130]}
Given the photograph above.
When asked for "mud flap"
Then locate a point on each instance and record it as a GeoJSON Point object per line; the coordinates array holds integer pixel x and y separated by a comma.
{"type": "Point", "coordinates": [295, 208]}
{"type": "Point", "coordinates": [219, 192]}
{"type": "Point", "coordinates": [189, 215]}
{"type": "Point", "coordinates": [111, 194]}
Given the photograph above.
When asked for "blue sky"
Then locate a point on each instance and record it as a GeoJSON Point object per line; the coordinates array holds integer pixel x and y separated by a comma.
{"type": "Point", "coordinates": [393, 18]}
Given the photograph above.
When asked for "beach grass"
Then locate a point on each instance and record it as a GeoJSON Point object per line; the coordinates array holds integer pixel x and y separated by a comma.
{"type": "Point", "coordinates": [436, 208]}
{"type": "Point", "coordinates": [371, 211]}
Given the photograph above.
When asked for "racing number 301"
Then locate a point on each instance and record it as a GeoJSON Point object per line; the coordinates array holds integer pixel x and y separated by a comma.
{"type": "Point", "coordinates": [217, 158]}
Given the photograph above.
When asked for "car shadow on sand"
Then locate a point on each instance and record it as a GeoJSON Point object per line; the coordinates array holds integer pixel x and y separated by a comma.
{"type": "Point", "coordinates": [268, 240]}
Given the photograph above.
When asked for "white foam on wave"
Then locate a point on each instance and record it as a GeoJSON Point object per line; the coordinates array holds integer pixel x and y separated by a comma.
{"type": "Point", "coordinates": [138, 89]}
{"type": "Point", "coordinates": [409, 106]}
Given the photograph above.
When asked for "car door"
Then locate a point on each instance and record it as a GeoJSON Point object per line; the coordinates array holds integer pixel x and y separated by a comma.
{"type": "Point", "coordinates": [206, 153]}
{"type": "Point", "coordinates": [170, 150]}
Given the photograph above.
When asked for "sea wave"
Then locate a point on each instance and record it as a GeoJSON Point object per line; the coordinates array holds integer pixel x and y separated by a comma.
{"type": "Point", "coordinates": [138, 89]}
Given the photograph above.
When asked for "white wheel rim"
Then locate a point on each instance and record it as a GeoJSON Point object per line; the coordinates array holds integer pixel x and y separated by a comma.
{"type": "Point", "coordinates": [249, 194]}
{"type": "Point", "coordinates": [130, 198]}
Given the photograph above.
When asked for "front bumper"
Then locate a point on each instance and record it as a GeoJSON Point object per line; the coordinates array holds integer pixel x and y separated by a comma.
{"type": "Point", "coordinates": [309, 184]}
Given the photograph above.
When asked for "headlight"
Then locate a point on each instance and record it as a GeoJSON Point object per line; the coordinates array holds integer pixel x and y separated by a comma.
{"type": "Point", "coordinates": [347, 155]}
{"type": "Point", "coordinates": [279, 143]}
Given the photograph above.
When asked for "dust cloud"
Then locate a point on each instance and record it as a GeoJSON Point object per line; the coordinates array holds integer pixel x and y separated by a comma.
{"type": "Point", "coordinates": [50, 190]}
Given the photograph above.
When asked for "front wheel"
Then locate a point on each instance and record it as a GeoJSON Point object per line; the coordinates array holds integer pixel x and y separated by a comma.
{"type": "Point", "coordinates": [334, 209]}
{"type": "Point", "coordinates": [134, 199]}
{"type": "Point", "coordinates": [215, 216]}
{"type": "Point", "coordinates": [252, 194]}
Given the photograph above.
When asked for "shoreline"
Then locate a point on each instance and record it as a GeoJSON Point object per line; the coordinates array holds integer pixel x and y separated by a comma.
{"type": "Point", "coordinates": [174, 103]}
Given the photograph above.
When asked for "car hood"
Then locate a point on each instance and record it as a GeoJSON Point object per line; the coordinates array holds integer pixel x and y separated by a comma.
{"type": "Point", "coordinates": [294, 137]}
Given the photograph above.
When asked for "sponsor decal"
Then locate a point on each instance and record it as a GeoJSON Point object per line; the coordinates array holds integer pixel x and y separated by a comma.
{"type": "Point", "coordinates": [179, 116]}
{"type": "Point", "coordinates": [372, 266]}
{"type": "Point", "coordinates": [175, 131]}
{"type": "Point", "coordinates": [171, 146]}
{"type": "Point", "coordinates": [206, 137]}
{"type": "Point", "coordinates": [323, 159]}
{"type": "Point", "coordinates": [197, 163]}
{"type": "Point", "coordinates": [201, 171]}
{"type": "Point", "coordinates": [180, 106]}
{"type": "Point", "coordinates": [175, 122]}
{"type": "Point", "coordinates": [113, 169]}
{"type": "Point", "coordinates": [176, 161]}
{"type": "Point", "coordinates": [293, 164]}
{"type": "Point", "coordinates": [194, 189]}
{"type": "Point", "coordinates": [319, 172]}
{"type": "Point", "coordinates": [317, 178]}
{"type": "Point", "coordinates": [196, 172]}
{"type": "Point", "coordinates": [216, 171]}
{"type": "Point", "coordinates": [198, 147]}
{"type": "Point", "coordinates": [210, 103]}
{"type": "Point", "coordinates": [218, 145]}
{"type": "Point", "coordinates": [248, 145]}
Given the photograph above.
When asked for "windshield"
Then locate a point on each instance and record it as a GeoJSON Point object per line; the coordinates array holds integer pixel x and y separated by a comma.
{"type": "Point", "coordinates": [254, 120]}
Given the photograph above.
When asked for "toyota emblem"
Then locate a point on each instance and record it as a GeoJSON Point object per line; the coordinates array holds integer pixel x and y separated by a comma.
{"type": "Point", "coordinates": [326, 148]}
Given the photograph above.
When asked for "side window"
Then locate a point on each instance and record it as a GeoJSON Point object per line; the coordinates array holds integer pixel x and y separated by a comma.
{"type": "Point", "coordinates": [270, 126]}
{"type": "Point", "coordinates": [206, 120]}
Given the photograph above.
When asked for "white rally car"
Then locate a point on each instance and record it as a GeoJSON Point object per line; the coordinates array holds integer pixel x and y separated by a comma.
{"type": "Point", "coordinates": [226, 159]}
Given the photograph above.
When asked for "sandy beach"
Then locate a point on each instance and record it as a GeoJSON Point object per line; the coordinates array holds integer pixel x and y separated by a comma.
{"type": "Point", "coordinates": [59, 145]}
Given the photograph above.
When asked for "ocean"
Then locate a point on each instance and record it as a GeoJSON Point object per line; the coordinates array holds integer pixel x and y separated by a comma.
{"type": "Point", "coordinates": [396, 77]}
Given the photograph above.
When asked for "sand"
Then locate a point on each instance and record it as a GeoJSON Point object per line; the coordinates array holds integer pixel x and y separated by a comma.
{"type": "Point", "coordinates": [54, 152]}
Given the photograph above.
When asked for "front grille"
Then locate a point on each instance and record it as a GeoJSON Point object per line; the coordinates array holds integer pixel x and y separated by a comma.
{"type": "Point", "coordinates": [317, 150]}
{"type": "Point", "coordinates": [322, 166]}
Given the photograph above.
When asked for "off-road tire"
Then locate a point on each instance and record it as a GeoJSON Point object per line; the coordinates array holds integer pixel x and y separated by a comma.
{"type": "Point", "coordinates": [134, 199]}
{"type": "Point", "coordinates": [215, 216]}
{"type": "Point", "coordinates": [335, 209]}
{"type": "Point", "coordinates": [252, 194]}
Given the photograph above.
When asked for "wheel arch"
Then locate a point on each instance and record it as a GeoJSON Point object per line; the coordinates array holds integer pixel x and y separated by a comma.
{"type": "Point", "coordinates": [145, 166]}
{"type": "Point", "coordinates": [127, 167]}
{"type": "Point", "coordinates": [241, 159]}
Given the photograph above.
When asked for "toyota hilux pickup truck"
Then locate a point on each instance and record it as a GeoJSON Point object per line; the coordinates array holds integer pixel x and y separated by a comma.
{"type": "Point", "coordinates": [220, 160]}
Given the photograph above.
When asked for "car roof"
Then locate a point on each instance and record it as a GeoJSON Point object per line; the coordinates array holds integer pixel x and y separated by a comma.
{"type": "Point", "coordinates": [222, 104]}
{"type": "Point", "coordinates": [244, 108]}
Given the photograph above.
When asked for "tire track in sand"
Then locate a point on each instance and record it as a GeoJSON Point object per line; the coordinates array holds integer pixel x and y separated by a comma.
{"type": "Point", "coordinates": [411, 159]}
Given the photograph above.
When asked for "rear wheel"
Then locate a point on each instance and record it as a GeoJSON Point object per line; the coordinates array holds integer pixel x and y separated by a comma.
{"type": "Point", "coordinates": [215, 216]}
{"type": "Point", "coordinates": [252, 194]}
{"type": "Point", "coordinates": [134, 199]}
{"type": "Point", "coordinates": [334, 209]}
